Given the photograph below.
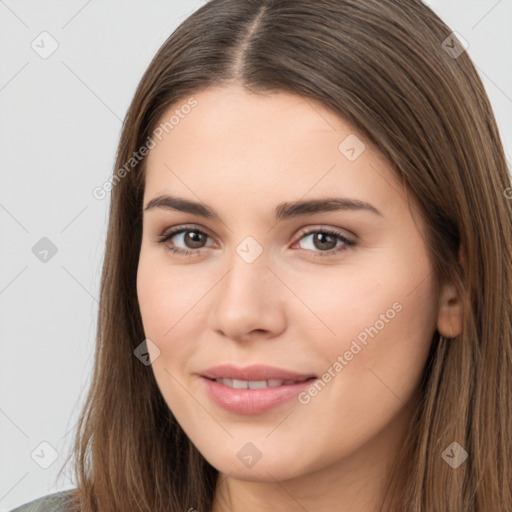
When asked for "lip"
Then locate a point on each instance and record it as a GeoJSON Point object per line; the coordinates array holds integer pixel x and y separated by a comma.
{"type": "Point", "coordinates": [252, 401]}
{"type": "Point", "coordinates": [253, 372]}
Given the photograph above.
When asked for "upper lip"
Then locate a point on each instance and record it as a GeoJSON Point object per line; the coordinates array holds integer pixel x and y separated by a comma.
{"type": "Point", "coordinates": [253, 372]}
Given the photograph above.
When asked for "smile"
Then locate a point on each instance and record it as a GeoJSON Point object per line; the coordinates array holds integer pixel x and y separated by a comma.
{"type": "Point", "coordinates": [249, 397]}
{"type": "Point", "coordinates": [257, 384]}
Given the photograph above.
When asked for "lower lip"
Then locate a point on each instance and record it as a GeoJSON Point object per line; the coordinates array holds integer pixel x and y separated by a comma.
{"type": "Point", "coordinates": [252, 401]}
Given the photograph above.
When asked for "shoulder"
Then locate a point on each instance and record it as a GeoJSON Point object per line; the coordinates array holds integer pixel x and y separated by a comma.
{"type": "Point", "coordinates": [56, 502]}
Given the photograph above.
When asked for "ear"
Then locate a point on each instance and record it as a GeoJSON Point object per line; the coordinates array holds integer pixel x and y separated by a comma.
{"type": "Point", "coordinates": [449, 316]}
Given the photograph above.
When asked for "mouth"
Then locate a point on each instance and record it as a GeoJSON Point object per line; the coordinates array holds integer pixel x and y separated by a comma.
{"type": "Point", "coordinates": [252, 390]}
{"type": "Point", "coordinates": [258, 384]}
{"type": "Point", "coordinates": [256, 375]}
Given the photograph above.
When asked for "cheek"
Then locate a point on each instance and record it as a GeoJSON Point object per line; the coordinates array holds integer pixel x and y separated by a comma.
{"type": "Point", "coordinates": [168, 302]}
{"type": "Point", "coordinates": [379, 318]}
{"type": "Point", "coordinates": [153, 301]}
{"type": "Point", "coordinates": [174, 302]}
{"type": "Point", "coordinates": [168, 295]}
{"type": "Point", "coordinates": [376, 334]}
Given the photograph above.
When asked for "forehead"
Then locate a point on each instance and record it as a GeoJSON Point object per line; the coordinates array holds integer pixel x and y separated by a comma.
{"type": "Point", "coordinates": [225, 117]}
{"type": "Point", "coordinates": [263, 148]}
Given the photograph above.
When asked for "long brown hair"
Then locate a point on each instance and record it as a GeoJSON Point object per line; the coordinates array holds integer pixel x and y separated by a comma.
{"type": "Point", "coordinates": [393, 70]}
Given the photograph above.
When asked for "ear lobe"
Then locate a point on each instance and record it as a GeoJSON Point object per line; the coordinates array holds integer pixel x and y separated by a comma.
{"type": "Point", "coordinates": [449, 318]}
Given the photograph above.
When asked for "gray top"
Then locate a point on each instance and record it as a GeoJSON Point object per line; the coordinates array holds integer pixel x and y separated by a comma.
{"type": "Point", "coordinates": [55, 502]}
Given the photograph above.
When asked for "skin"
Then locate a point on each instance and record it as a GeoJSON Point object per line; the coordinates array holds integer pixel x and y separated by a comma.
{"type": "Point", "coordinates": [242, 154]}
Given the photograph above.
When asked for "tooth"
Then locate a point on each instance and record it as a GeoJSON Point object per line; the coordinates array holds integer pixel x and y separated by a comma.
{"type": "Point", "coordinates": [240, 384]}
{"type": "Point", "coordinates": [257, 384]}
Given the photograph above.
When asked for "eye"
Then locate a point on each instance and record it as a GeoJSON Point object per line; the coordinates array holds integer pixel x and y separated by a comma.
{"type": "Point", "coordinates": [327, 241]}
{"type": "Point", "coordinates": [323, 242]}
{"type": "Point", "coordinates": [192, 237]}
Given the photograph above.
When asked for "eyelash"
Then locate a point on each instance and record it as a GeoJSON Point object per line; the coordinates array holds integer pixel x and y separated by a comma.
{"type": "Point", "coordinates": [321, 254]}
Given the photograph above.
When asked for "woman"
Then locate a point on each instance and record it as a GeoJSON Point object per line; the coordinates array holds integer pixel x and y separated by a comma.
{"type": "Point", "coordinates": [306, 294]}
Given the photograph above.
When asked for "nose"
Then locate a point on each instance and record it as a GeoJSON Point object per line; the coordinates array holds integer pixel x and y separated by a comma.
{"type": "Point", "coordinates": [248, 301]}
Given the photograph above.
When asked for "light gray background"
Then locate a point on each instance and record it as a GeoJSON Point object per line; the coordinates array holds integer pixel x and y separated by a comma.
{"type": "Point", "coordinates": [59, 127]}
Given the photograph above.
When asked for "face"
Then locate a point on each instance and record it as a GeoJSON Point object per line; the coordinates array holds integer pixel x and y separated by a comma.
{"type": "Point", "coordinates": [340, 292]}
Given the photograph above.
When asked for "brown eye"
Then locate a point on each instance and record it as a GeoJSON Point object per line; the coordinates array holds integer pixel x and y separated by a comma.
{"type": "Point", "coordinates": [190, 239]}
{"type": "Point", "coordinates": [194, 239]}
{"type": "Point", "coordinates": [324, 242]}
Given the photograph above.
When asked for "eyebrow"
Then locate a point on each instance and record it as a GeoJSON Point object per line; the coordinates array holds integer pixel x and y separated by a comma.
{"type": "Point", "coordinates": [283, 211]}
